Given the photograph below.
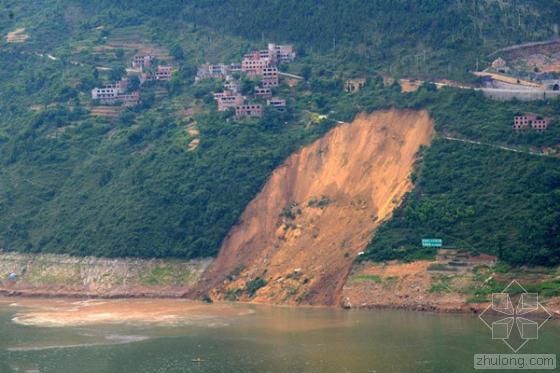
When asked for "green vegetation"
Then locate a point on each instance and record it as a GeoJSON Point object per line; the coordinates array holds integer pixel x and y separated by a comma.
{"type": "Point", "coordinates": [477, 197]}
{"type": "Point", "coordinates": [128, 185]}
{"type": "Point", "coordinates": [365, 278]}
{"type": "Point", "coordinates": [254, 285]}
{"type": "Point", "coordinates": [441, 284]}
{"type": "Point", "coordinates": [440, 267]}
{"type": "Point", "coordinates": [421, 38]}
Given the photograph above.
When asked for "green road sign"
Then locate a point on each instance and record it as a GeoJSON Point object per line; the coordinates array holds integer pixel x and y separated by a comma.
{"type": "Point", "coordinates": [432, 242]}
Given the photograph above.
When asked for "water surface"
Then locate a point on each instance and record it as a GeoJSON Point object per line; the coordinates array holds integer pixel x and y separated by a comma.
{"type": "Point", "coordinates": [181, 336]}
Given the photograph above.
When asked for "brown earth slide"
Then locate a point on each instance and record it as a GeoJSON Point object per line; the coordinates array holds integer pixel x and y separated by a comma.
{"type": "Point", "coordinates": [297, 240]}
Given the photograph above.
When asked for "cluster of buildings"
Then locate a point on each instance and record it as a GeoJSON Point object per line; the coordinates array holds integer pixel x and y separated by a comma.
{"type": "Point", "coordinates": [118, 92]}
{"type": "Point", "coordinates": [261, 65]}
{"type": "Point", "coordinates": [530, 121]}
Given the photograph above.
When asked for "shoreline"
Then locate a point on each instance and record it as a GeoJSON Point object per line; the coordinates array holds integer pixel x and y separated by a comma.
{"type": "Point", "coordinates": [474, 309]}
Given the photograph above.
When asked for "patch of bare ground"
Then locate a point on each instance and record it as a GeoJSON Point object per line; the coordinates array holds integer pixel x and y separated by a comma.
{"type": "Point", "coordinates": [194, 133]}
{"type": "Point", "coordinates": [17, 36]}
{"type": "Point", "coordinates": [64, 313]}
{"type": "Point", "coordinates": [106, 111]}
{"type": "Point", "coordinates": [410, 85]}
{"type": "Point", "coordinates": [402, 285]}
{"type": "Point", "coordinates": [412, 286]}
{"type": "Point", "coordinates": [297, 240]}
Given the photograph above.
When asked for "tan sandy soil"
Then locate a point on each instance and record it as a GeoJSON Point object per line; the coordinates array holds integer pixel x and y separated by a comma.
{"type": "Point", "coordinates": [318, 210]}
{"type": "Point", "coordinates": [106, 111]}
{"type": "Point", "coordinates": [64, 312]}
{"type": "Point", "coordinates": [17, 36]}
{"type": "Point", "coordinates": [408, 85]}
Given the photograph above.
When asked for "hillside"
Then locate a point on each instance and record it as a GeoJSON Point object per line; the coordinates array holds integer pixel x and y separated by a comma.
{"type": "Point", "coordinates": [442, 38]}
{"type": "Point", "coordinates": [171, 177]}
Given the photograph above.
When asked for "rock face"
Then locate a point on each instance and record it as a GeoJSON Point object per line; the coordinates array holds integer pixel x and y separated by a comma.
{"type": "Point", "coordinates": [297, 240]}
{"type": "Point", "coordinates": [64, 275]}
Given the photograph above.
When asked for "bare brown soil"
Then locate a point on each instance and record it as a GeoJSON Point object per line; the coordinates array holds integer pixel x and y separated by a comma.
{"type": "Point", "coordinates": [318, 210]}
{"type": "Point", "coordinates": [408, 85]}
{"type": "Point", "coordinates": [398, 285]}
{"type": "Point", "coordinates": [411, 286]}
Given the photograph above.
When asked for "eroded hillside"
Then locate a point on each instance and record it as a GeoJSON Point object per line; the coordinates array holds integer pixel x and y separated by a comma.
{"type": "Point", "coordinates": [297, 240]}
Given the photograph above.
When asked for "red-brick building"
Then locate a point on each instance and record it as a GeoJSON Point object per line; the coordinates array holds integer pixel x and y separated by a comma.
{"type": "Point", "coordinates": [262, 92]}
{"type": "Point", "coordinates": [530, 121]}
{"type": "Point", "coordinates": [269, 77]}
{"type": "Point", "coordinates": [253, 64]}
{"type": "Point", "coordinates": [228, 100]}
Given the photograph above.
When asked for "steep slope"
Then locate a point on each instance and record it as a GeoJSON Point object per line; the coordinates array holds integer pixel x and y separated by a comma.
{"type": "Point", "coordinates": [296, 241]}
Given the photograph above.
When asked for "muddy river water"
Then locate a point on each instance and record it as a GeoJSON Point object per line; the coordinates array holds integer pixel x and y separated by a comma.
{"type": "Point", "coordinates": [68, 335]}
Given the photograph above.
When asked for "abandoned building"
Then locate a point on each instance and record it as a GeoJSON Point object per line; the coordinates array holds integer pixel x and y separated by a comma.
{"type": "Point", "coordinates": [262, 92]}
{"type": "Point", "coordinates": [530, 121]}
{"type": "Point", "coordinates": [277, 103]}
{"type": "Point", "coordinates": [164, 72]}
{"type": "Point", "coordinates": [248, 110]}
{"type": "Point", "coordinates": [110, 93]}
{"type": "Point", "coordinates": [142, 62]}
{"type": "Point", "coordinates": [354, 85]}
{"type": "Point", "coordinates": [253, 64]}
{"type": "Point", "coordinates": [282, 53]}
{"type": "Point", "coordinates": [228, 99]}
{"type": "Point", "coordinates": [269, 77]}
{"type": "Point", "coordinates": [130, 99]}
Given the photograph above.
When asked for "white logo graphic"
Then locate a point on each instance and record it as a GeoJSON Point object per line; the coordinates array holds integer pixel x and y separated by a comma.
{"type": "Point", "coordinates": [520, 316]}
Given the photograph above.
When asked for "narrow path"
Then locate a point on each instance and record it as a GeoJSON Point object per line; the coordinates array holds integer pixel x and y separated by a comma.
{"type": "Point", "coordinates": [502, 147]}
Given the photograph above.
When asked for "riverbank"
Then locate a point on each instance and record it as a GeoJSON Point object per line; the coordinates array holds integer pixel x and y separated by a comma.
{"type": "Point", "coordinates": [50, 275]}
{"type": "Point", "coordinates": [392, 285]}
{"type": "Point", "coordinates": [416, 286]}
